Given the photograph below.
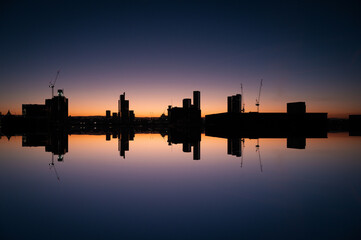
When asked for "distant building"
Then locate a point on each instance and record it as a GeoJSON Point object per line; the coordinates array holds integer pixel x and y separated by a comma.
{"type": "Point", "coordinates": [188, 114]}
{"type": "Point", "coordinates": [107, 113]}
{"type": "Point", "coordinates": [296, 108]}
{"type": "Point", "coordinates": [124, 114]}
{"type": "Point", "coordinates": [54, 110]}
{"type": "Point", "coordinates": [58, 107]}
{"type": "Point", "coordinates": [35, 110]}
{"type": "Point", "coordinates": [296, 119]}
{"type": "Point", "coordinates": [234, 103]}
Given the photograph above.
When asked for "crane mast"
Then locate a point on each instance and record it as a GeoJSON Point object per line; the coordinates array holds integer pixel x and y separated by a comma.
{"type": "Point", "coordinates": [52, 83]}
{"type": "Point", "coordinates": [259, 96]}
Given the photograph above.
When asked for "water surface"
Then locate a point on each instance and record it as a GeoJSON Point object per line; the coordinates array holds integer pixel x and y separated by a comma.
{"type": "Point", "coordinates": [159, 192]}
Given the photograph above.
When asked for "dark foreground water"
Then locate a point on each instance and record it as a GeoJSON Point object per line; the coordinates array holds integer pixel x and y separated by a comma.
{"type": "Point", "coordinates": [159, 192]}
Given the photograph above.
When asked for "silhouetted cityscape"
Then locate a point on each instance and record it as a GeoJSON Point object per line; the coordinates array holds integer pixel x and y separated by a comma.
{"type": "Point", "coordinates": [53, 115]}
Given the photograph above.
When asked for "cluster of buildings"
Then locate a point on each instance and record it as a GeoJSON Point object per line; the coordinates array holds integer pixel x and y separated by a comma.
{"type": "Point", "coordinates": [124, 115]}
{"type": "Point", "coordinates": [294, 119]}
{"type": "Point", "coordinates": [189, 114]}
{"type": "Point", "coordinates": [54, 111]}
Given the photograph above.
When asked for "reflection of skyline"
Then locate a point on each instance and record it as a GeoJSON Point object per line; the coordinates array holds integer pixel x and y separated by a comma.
{"type": "Point", "coordinates": [153, 171]}
{"type": "Point", "coordinates": [189, 137]}
{"type": "Point", "coordinates": [57, 142]}
{"type": "Point", "coordinates": [54, 142]}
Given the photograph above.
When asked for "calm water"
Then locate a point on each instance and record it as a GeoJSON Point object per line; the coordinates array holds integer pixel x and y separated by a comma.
{"type": "Point", "coordinates": [159, 192]}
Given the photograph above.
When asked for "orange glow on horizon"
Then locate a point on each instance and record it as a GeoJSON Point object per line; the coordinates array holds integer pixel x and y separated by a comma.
{"type": "Point", "coordinates": [149, 104]}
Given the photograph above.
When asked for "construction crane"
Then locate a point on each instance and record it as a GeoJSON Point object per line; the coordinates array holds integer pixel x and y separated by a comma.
{"type": "Point", "coordinates": [52, 83]}
{"type": "Point", "coordinates": [52, 165]}
{"type": "Point", "coordinates": [259, 155]}
{"type": "Point", "coordinates": [242, 147]}
{"type": "Point", "coordinates": [242, 99]}
{"type": "Point", "coordinates": [259, 96]}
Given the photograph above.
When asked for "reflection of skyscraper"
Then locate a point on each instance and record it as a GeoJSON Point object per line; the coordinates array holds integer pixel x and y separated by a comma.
{"type": "Point", "coordinates": [124, 137]}
{"type": "Point", "coordinates": [197, 150]}
{"type": "Point", "coordinates": [234, 146]}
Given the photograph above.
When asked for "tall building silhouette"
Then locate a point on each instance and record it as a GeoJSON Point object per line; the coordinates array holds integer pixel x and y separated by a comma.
{"type": "Point", "coordinates": [234, 103]}
{"type": "Point", "coordinates": [124, 114]}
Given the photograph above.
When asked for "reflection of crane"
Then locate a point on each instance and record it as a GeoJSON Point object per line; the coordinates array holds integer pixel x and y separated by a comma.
{"type": "Point", "coordinates": [259, 154]}
{"type": "Point", "coordinates": [259, 96]}
{"type": "Point", "coordinates": [52, 83]}
{"type": "Point", "coordinates": [242, 147]}
{"type": "Point", "coordinates": [242, 99]}
{"type": "Point", "coordinates": [52, 165]}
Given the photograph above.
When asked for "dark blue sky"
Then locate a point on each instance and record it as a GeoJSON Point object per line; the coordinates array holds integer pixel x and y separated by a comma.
{"type": "Point", "coordinates": [159, 51]}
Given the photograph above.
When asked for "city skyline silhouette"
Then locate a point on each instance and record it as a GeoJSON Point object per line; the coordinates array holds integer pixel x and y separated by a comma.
{"type": "Point", "coordinates": [180, 119]}
{"type": "Point", "coordinates": [160, 51]}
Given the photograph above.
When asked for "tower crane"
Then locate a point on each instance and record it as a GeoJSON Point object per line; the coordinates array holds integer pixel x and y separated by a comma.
{"type": "Point", "coordinates": [52, 83]}
{"type": "Point", "coordinates": [259, 155]}
{"type": "Point", "coordinates": [259, 96]}
{"type": "Point", "coordinates": [52, 165]}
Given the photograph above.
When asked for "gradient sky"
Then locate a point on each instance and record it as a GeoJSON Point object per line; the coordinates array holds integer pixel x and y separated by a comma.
{"type": "Point", "coordinates": [158, 52]}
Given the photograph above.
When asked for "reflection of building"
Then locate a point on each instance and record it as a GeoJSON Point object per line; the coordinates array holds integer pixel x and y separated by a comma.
{"type": "Point", "coordinates": [296, 140]}
{"type": "Point", "coordinates": [125, 135]}
{"type": "Point", "coordinates": [55, 142]}
{"type": "Point", "coordinates": [126, 116]}
{"type": "Point", "coordinates": [188, 114]}
{"type": "Point", "coordinates": [55, 110]}
{"type": "Point", "coordinates": [355, 125]}
{"type": "Point", "coordinates": [189, 137]}
{"type": "Point", "coordinates": [234, 146]}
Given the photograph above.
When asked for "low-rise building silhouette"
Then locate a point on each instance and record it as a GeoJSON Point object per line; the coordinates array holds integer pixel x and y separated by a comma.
{"type": "Point", "coordinates": [295, 119]}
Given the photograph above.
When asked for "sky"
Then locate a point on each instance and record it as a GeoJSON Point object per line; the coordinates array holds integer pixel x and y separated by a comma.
{"type": "Point", "coordinates": [159, 52]}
